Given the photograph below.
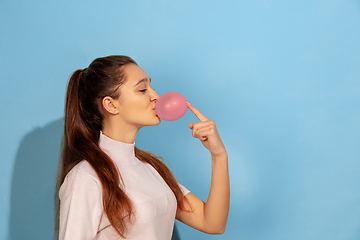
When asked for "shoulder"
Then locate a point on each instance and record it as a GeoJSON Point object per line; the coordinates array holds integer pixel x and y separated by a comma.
{"type": "Point", "coordinates": [80, 177]}
{"type": "Point", "coordinates": [84, 168]}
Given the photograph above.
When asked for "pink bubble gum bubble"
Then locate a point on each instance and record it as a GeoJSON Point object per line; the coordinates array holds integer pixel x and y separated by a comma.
{"type": "Point", "coordinates": [171, 106]}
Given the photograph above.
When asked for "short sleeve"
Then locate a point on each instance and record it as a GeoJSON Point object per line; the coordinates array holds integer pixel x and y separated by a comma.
{"type": "Point", "coordinates": [80, 206]}
{"type": "Point", "coordinates": [183, 189]}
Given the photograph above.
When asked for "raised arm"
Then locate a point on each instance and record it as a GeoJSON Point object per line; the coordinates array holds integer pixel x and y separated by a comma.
{"type": "Point", "coordinates": [209, 217]}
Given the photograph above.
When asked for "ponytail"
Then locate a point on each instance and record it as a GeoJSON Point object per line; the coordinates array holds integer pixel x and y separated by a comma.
{"type": "Point", "coordinates": [71, 119]}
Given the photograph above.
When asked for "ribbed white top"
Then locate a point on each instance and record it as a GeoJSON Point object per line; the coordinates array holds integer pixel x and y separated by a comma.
{"type": "Point", "coordinates": [81, 209]}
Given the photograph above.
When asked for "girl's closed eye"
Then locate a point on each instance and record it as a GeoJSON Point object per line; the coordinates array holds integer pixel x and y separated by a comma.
{"type": "Point", "coordinates": [143, 90]}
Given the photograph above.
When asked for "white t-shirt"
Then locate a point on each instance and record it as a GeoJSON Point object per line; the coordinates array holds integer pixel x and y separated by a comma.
{"type": "Point", "coordinates": [81, 209]}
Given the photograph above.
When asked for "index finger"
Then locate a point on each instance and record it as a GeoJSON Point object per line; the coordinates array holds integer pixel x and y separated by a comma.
{"type": "Point", "coordinates": [197, 113]}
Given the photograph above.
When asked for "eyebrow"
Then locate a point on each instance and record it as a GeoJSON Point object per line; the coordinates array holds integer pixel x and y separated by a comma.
{"type": "Point", "coordinates": [143, 80]}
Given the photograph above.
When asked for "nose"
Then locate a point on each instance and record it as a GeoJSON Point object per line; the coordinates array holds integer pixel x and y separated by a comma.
{"type": "Point", "coordinates": [154, 96]}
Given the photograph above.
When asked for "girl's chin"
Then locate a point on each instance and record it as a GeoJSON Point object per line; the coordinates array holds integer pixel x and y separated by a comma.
{"type": "Point", "coordinates": [155, 122]}
{"type": "Point", "coordinates": [158, 121]}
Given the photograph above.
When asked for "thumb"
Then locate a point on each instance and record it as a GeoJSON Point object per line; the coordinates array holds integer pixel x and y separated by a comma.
{"type": "Point", "coordinates": [191, 125]}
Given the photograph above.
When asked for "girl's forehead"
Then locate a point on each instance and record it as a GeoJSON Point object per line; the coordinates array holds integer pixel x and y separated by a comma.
{"type": "Point", "coordinates": [134, 73]}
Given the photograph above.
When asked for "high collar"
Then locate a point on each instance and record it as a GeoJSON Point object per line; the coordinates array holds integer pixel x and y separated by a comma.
{"type": "Point", "coordinates": [121, 153]}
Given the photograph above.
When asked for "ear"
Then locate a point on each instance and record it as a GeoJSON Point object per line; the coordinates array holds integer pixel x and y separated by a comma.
{"type": "Point", "coordinates": [109, 105]}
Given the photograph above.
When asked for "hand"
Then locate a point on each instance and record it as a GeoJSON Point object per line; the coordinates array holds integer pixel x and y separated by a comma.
{"type": "Point", "coordinates": [207, 133]}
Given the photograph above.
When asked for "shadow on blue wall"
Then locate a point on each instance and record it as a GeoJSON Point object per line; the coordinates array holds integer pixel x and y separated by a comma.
{"type": "Point", "coordinates": [33, 184]}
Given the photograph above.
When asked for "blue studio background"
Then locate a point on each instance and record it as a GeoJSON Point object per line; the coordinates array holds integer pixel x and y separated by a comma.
{"type": "Point", "coordinates": [280, 79]}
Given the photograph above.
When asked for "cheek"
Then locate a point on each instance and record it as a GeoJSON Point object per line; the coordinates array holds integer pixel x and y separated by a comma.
{"type": "Point", "coordinates": [137, 105]}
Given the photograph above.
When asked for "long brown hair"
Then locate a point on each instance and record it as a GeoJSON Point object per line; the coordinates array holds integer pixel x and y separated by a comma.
{"type": "Point", "coordinates": [83, 122]}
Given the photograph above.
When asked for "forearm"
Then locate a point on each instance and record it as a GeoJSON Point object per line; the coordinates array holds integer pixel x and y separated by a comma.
{"type": "Point", "coordinates": [216, 208]}
{"type": "Point", "coordinates": [210, 217]}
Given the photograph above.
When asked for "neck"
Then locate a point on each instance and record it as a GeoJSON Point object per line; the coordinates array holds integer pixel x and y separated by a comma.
{"type": "Point", "coordinates": [120, 132]}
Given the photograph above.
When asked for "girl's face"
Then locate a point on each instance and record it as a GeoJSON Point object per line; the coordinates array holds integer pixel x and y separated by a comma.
{"type": "Point", "coordinates": [137, 99]}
